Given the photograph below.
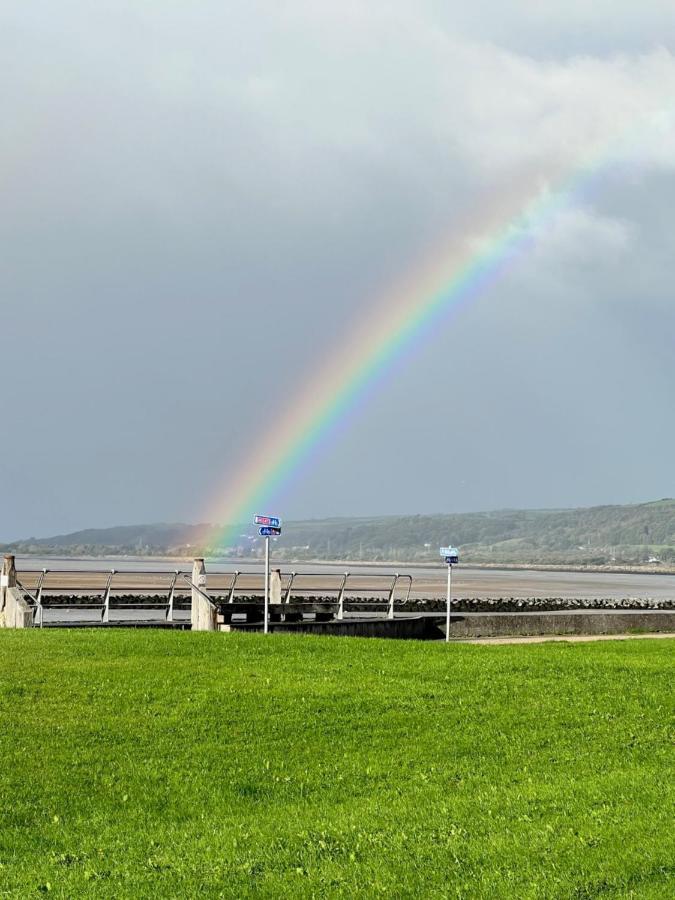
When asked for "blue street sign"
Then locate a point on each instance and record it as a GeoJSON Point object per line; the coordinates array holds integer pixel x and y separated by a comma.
{"type": "Point", "coordinates": [272, 521]}
{"type": "Point", "coordinates": [452, 560]}
{"type": "Point", "coordinates": [268, 531]}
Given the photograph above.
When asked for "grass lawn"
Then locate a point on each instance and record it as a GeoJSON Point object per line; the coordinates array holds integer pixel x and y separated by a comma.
{"type": "Point", "coordinates": [159, 764]}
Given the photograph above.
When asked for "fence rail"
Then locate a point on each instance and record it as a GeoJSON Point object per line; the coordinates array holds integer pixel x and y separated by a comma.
{"type": "Point", "coordinates": [68, 589]}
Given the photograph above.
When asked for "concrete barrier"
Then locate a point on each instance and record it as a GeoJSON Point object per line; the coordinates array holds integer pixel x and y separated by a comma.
{"type": "Point", "coordinates": [15, 612]}
{"type": "Point", "coordinates": [203, 614]}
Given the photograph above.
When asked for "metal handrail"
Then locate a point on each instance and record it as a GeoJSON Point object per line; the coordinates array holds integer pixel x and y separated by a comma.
{"type": "Point", "coordinates": [200, 591]}
{"type": "Point", "coordinates": [235, 576]}
{"type": "Point", "coordinates": [234, 582]}
{"type": "Point", "coordinates": [289, 587]}
{"type": "Point", "coordinates": [172, 594]}
{"type": "Point", "coordinates": [38, 611]}
{"type": "Point", "coordinates": [212, 572]}
{"type": "Point", "coordinates": [341, 597]}
{"type": "Point", "coordinates": [115, 579]}
{"type": "Point", "coordinates": [105, 572]}
{"type": "Point", "coordinates": [105, 615]}
{"type": "Point", "coordinates": [410, 584]}
{"type": "Point", "coordinates": [409, 579]}
{"type": "Point", "coordinates": [107, 589]}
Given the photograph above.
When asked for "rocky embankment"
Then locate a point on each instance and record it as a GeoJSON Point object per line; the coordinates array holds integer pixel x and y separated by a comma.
{"type": "Point", "coordinates": [461, 604]}
{"type": "Point", "coordinates": [536, 604]}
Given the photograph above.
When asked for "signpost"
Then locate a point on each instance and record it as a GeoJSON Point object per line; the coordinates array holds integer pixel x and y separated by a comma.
{"type": "Point", "coordinates": [270, 526]}
{"type": "Point", "coordinates": [451, 557]}
{"type": "Point", "coordinates": [272, 521]}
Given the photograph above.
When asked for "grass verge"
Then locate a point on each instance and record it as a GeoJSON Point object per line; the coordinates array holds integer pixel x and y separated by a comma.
{"type": "Point", "coordinates": [158, 764]}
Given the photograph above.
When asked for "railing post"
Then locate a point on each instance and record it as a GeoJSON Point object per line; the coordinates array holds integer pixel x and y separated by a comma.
{"type": "Point", "coordinates": [38, 597]}
{"type": "Point", "coordinates": [392, 591]}
{"type": "Point", "coordinates": [275, 586]}
{"type": "Point", "coordinates": [38, 592]}
{"type": "Point", "coordinates": [341, 597]}
{"type": "Point", "coordinates": [106, 598]}
{"type": "Point", "coordinates": [7, 579]}
{"type": "Point", "coordinates": [14, 611]}
{"type": "Point", "coordinates": [172, 594]}
{"type": "Point", "coordinates": [287, 596]}
{"type": "Point", "coordinates": [234, 583]}
{"type": "Point", "coordinates": [203, 613]}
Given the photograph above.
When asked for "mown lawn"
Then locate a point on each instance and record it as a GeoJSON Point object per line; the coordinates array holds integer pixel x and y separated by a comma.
{"type": "Point", "coordinates": [157, 764]}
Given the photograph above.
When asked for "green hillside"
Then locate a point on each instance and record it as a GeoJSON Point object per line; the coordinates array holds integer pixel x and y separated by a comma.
{"type": "Point", "coordinates": [629, 534]}
{"type": "Point", "coordinates": [598, 535]}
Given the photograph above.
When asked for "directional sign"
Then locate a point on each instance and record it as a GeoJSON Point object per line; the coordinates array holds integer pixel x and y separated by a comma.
{"type": "Point", "coordinates": [449, 551]}
{"type": "Point", "coordinates": [452, 560]}
{"type": "Point", "coordinates": [268, 531]}
{"type": "Point", "coordinates": [272, 521]}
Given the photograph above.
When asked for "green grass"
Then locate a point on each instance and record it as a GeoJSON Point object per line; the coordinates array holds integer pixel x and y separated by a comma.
{"type": "Point", "coordinates": [158, 764]}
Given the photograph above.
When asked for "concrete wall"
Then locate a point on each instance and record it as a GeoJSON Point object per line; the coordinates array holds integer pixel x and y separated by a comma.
{"type": "Point", "coordinates": [14, 611]}
{"type": "Point", "coordinates": [586, 623]}
{"type": "Point", "coordinates": [481, 625]}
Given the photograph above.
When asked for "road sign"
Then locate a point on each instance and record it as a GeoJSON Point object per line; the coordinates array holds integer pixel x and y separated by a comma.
{"type": "Point", "coordinates": [272, 521]}
{"type": "Point", "coordinates": [452, 560]}
{"type": "Point", "coordinates": [449, 551]}
{"type": "Point", "coordinates": [268, 531]}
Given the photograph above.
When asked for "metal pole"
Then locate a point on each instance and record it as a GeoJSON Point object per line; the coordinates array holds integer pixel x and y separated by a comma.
{"type": "Point", "coordinates": [287, 598]}
{"type": "Point", "coordinates": [39, 595]}
{"type": "Point", "coordinates": [341, 597]}
{"type": "Point", "coordinates": [266, 626]}
{"type": "Point", "coordinates": [172, 594]}
{"type": "Point", "coordinates": [448, 605]}
{"type": "Point", "coordinates": [392, 591]}
{"type": "Point", "coordinates": [105, 617]}
{"type": "Point", "coordinates": [234, 584]}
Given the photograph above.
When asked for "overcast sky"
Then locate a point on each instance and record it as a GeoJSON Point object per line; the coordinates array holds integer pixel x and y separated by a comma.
{"type": "Point", "coordinates": [188, 189]}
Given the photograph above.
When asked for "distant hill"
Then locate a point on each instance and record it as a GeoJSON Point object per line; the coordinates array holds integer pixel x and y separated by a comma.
{"type": "Point", "coordinates": [595, 536]}
{"type": "Point", "coordinates": [150, 540]}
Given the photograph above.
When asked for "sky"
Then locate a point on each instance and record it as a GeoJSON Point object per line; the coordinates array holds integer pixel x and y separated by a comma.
{"type": "Point", "coordinates": [200, 201]}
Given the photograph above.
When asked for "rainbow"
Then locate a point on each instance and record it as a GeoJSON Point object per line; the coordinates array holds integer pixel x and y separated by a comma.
{"type": "Point", "coordinates": [453, 278]}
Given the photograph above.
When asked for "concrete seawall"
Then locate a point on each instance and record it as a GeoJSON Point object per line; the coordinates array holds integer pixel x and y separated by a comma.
{"type": "Point", "coordinates": [586, 623]}
{"type": "Point", "coordinates": [412, 628]}
{"type": "Point", "coordinates": [463, 627]}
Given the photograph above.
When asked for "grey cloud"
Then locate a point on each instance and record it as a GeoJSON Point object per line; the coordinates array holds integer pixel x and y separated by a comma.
{"type": "Point", "coordinates": [190, 188]}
